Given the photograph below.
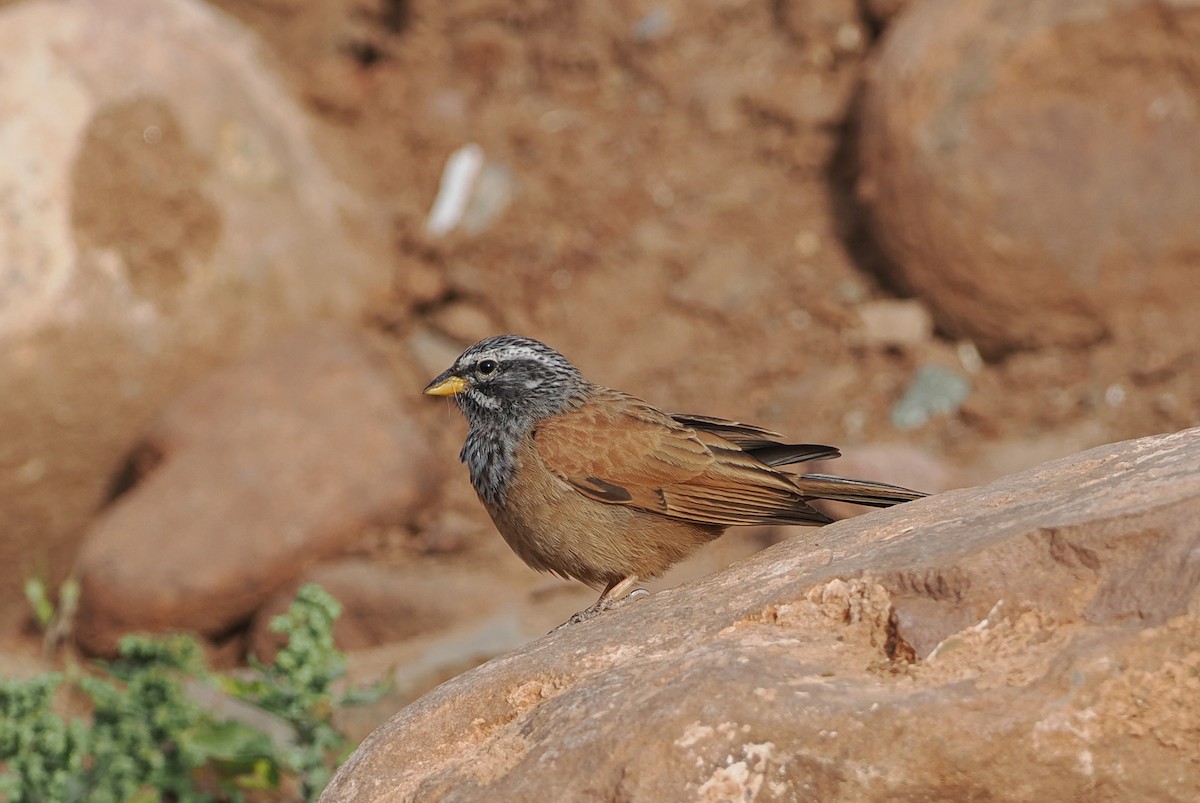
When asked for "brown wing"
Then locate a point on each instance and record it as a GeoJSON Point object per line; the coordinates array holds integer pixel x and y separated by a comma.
{"type": "Point", "coordinates": [620, 450]}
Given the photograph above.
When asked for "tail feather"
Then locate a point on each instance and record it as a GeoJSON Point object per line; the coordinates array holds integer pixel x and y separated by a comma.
{"type": "Point", "coordinates": [858, 492]}
{"type": "Point", "coordinates": [761, 444]}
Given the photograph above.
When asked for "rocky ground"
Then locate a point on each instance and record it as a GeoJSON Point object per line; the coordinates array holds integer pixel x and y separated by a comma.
{"type": "Point", "coordinates": [955, 239]}
{"type": "Point", "coordinates": [1055, 613]}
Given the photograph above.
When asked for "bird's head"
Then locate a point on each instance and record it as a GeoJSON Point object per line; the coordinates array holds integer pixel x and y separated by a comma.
{"type": "Point", "coordinates": [510, 380]}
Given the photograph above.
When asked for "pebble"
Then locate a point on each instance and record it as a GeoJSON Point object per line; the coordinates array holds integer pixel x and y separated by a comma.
{"type": "Point", "coordinates": [934, 390]}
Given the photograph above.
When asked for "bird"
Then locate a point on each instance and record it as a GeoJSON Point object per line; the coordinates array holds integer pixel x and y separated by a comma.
{"type": "Point", "coordinates": [596, 485]}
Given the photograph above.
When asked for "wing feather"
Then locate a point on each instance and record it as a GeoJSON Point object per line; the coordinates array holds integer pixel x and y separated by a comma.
{"type": "Point", "coordinates": [762, 444]}
{"type": "Point", "coordinates": [618, 449]}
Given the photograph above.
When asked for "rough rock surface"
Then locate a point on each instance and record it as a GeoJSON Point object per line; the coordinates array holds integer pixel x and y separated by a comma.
{"type": "Point", "coordinates": [1022, 127]}
{"type": "Point", "coordinates": [162, 209]}
{"type": "Point", "coordinates": [1034, 639]}
{"type": "Point", "coordinates": [246, 480]}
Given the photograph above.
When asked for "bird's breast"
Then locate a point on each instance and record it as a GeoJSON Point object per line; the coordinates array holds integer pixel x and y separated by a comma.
{"type": "Point", "coordinates": [554, 528]}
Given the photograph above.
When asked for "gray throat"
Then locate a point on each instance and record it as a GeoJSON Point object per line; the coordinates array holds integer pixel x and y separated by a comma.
{"type": "Point", "coordinates": [491, 458]}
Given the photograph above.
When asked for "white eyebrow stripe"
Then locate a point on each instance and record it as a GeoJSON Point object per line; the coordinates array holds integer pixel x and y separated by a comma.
{"type": "Point", "coordinates": [512, 353]}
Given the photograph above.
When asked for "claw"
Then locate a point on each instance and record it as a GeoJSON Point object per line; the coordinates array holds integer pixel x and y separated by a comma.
{"type": "Point", "coordinates": [611, 598]}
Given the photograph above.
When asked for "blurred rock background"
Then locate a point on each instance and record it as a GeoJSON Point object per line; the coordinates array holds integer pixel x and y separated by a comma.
{"type": "Point", "coordinates": [956, 239]}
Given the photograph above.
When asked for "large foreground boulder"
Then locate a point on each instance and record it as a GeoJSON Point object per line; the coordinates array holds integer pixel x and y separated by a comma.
{"type": "Point", "coordinates": [1034, 639]}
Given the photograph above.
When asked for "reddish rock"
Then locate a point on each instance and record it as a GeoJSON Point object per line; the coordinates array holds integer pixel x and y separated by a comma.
{"type": "Point", "coordinates": [1034, 639]}
{"type": "Point", "coordinates": [1022, 167]}
{"type": "Point", "coordinates": [256, 473]}
{"type": "Point", "coordinates": [162, 210]}
{"type": "Point", "coordinates": [386, 604]}
{"type": "Point", "coordinates": [893, 323]}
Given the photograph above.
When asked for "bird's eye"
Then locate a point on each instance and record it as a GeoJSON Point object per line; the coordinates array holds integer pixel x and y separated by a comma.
{"type": "Point", "coordinates": [487, 367]}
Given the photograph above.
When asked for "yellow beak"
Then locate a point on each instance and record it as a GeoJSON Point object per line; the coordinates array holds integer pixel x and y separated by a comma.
{"type": "Point", "coordinates": [450, 386]}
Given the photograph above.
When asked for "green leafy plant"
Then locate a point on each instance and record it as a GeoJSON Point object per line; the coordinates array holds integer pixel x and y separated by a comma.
{"type": "Point", "coordinates": [44, 753]}
{"type": "Point", "coordinates": [149, 739]}
{"type": "Point", "coordinates": [297, 686]}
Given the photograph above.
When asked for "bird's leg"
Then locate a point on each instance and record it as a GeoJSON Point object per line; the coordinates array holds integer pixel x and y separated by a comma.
{"type": "Point", "coordinates": [613, 597]}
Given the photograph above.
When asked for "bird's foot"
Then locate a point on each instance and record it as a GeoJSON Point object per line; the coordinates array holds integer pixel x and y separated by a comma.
{"type": "Point", "coordinates": [605, 603]}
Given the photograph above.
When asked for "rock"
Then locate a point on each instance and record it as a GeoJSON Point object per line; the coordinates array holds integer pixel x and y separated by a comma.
{"type": "Point", "coordinates": [162, 210]}
{"type": "Point", "coordinates": [1022, 169]}
{"type": "Point", "coordinates": [412, 667]}
{"type": "Point", "coordinates": [256, 473]}
{"type": "Point", "coordinates": [1034, 639]}
{"type": "Point", "coordinates": [385, 604]}
{"type": "Point", "coordinates": [894, 323]}
{"type": "Point", "coordinates": [656, 24]}
{"type": "Point", "coordinates": [934, 390]}
{"type": "Point", "coordinates": [464, 322]}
